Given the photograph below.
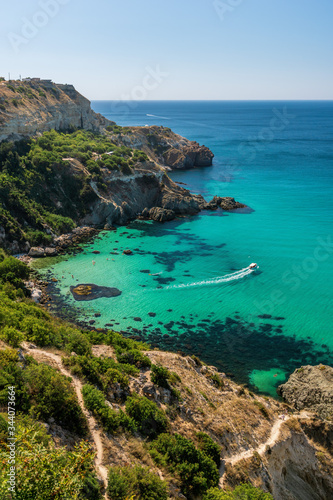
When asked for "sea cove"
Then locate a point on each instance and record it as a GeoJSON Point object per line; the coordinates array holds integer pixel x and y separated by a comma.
{"type": "Point", "coordinates": [183, 289]}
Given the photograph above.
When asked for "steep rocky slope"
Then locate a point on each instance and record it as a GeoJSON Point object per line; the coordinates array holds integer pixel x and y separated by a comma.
{"type": "Point", "coordinates": [164, 146]}
{"type": "Point", "coordinates": [33, 107]}
{"type": "Point", "coordinates": [262, 440]}
{"type": "Point", "coordinates": [310, 387]}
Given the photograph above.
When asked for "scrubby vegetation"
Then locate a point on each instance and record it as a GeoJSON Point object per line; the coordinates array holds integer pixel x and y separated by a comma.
{"type": "Point", "coordinates": [31, 200]}
{"type": "Point", "coordinates": [135, 482]}
{"type": "Point", "coordinates": [150, 419]}
{"type": "Point", "coordinates": [44, 472]}
{"type": "Point", "coordinates": [111, 420]}
{"type": "Point", "coordinates": [41, 391]}
{"type": "Point", "coordinates": [197, 470]}
{"type": "Point", "coordinates": [241, 492]}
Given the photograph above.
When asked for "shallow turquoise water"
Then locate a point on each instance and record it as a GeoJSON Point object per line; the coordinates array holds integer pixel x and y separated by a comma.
{"type": "Point", "coordinates": [257, 326]}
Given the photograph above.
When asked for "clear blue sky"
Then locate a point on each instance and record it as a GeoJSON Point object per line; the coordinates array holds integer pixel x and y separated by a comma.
{"type": "Point", "coordinates": [256, 49]}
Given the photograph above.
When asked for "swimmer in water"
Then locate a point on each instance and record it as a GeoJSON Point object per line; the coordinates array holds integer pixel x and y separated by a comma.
{"type": "Point", "coordinates": [93, 262]}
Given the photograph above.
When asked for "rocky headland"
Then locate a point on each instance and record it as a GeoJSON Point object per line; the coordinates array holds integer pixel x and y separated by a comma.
{"type": "Point", "coordinates": [310, 388]}
{"type": "Point", "coordinates": [164, 146]}
{"type": "Point", "coordinates": [114, 196]}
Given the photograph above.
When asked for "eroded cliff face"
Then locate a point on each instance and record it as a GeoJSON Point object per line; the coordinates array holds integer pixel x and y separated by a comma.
{"type": "Point", "coordinates": [310, 387]}
{"type": "Point", "coordinates": [30, 108]}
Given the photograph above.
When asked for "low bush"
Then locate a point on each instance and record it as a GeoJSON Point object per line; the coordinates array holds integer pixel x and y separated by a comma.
{"type": "Point", "coordinates": [150, 420]}
{"type": "Point", "coordinates": [209, 447]}
{"type": "Point", "coordinates": [78, 343]}
{"type": "Point", "coordinates": [216, 379]}
{"type": "Point", "coordinates": [241, 492]}
{"type": "Point", "coordinates": [44, 472]}
{"type": "Point", "coordinates": [160, 376]}
{"type": "Point", "coordinates": [133, 357]}
{"type": "Point", "coordinates": [52, 395]}
{"type": "Point", "coordinates": [135, 482]}
{"type": "Point", "coordinates": [112, 421]}
{"type": "Point", "coordinates": [11, 336]}
{"type": "Point", "coordinates": [103, 372]}
{"type": "Point", "coordinates": [196, 470]}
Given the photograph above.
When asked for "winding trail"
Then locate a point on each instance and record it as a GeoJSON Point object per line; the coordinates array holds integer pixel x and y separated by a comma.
{"type": "Point", "coordinates": [271, 441]}
{"type": "Point", "coordinates": [273, 438]}
{"type": "Point", "coordinates": [92, 424]}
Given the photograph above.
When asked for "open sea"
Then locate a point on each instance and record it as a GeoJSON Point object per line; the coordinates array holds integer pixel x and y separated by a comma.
{"type": "Point", "coordinates": [187, 286]}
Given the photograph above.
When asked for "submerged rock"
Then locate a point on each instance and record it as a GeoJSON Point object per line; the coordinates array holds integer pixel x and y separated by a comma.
{"type": "Point", "coordinates": [85, 292]}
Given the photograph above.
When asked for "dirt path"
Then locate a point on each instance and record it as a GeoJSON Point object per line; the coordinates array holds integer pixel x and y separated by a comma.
{"type": "Point", "coordinates": [275, 433]}
{"type": "Point", "coordinates": [273, 438]}
{"type": "Point", "coordinates": [93, 427]}
{"type": "Point", "coordinates": [271, 441]}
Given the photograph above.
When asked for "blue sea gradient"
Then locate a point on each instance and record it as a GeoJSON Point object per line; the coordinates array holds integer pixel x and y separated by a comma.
{"type": "Point", "coordinates": [275, 157]}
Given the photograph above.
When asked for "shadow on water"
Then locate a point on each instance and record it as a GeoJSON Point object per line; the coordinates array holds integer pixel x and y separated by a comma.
{"type": "Point", "coordinates": [236, 347]}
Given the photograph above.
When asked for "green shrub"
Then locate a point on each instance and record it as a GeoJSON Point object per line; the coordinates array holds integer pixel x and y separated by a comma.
{"type": "Point", "coordinates": [52, 395]}
{"type": "Point", "coordinates": [133, 357]}
{"type": "Point", "coordinates": [11, 336]}
{"type": "Point", "coordinates": [241, 492]}
{"type": "Point", "coordinates": [209, 447]}
{"type": "Point", "coordinates": [114, 376]}
{"type": "Point", "coordinates": [78, 343]}
{"type": "Point", "coordinates": [44, 472]}
{"type": "Point", "coordinates": [12, 270]}
{"type": "Point", "coordinates": [159, 376]}
{"type": "Point", "coordinates": [112, 421]}
{"type": "Point", "coordinates": [103, 372]}
{"type": "Point", "coordinates": [150, 420]}
{"type": "Point", "coordinates": [135, 482]}
{"type": "Point", "coordinates": [196, 470]}
{"type": "Point", "coordinates": [216, 379]}
{"type": "Point", "coordinates": [38, 238]}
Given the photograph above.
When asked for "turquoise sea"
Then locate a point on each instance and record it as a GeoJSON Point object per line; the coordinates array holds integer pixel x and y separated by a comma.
{"type": "Point", "coordinates": [277, 158]}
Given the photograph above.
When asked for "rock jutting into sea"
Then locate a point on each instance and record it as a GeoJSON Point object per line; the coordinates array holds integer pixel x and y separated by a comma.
{"type": "Point", "coordinates": [89, 291]}
{"type": "Point", "coordinates": [141, 190]}
{"type": "Point", "coordinates": [310, 387]}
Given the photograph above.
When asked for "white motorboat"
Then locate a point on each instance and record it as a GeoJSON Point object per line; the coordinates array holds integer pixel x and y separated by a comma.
{"type": "Point", "coordinates": [253, 266]}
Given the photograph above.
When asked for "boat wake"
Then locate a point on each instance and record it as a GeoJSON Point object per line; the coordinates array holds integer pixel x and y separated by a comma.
{"type": "Point", "coordinates": [242, 273]}
{"type": "Point", "coordinates": [156, 116]}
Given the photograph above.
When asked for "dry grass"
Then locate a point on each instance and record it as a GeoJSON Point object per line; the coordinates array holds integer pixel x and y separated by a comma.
{"type": "Point", "coordinates": [232, 420]}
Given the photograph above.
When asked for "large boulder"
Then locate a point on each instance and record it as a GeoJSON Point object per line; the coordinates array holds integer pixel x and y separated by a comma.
{"type": "Point", "coordinates": [226, 203]}
{"type": "Point", "coordinates": [159, 214]}
{"type": "Point", "coordinates": [39, 252]}
{"type": "Point", "coordinates": [189, 157]}
{"type": "Point", "coordinates": [310, 387]}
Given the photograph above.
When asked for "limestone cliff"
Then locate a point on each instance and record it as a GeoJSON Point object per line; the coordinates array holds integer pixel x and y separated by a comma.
{"type": "Point", "coordinates": [310, 387]}
{"type": "Point", "coordinates": [31, 107]}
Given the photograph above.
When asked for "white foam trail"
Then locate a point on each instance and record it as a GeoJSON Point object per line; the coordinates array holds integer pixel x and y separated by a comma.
{"type": "Point", "coordinates": [220, 279]}
{"type": "Point", "coordinates": [156, 116]}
